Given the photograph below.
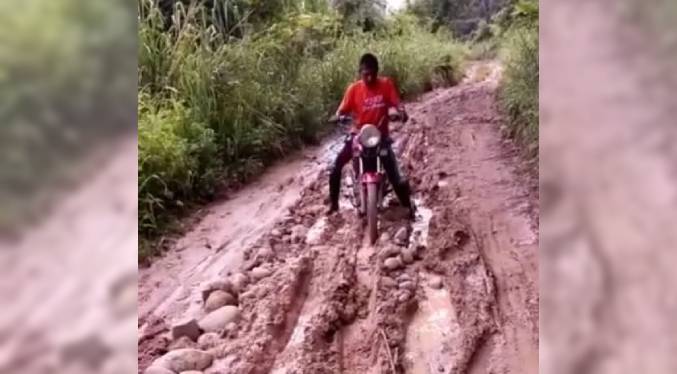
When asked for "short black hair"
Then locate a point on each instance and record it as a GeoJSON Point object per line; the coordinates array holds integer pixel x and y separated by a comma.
{"type": "Point", "coordinates": [369, 61]}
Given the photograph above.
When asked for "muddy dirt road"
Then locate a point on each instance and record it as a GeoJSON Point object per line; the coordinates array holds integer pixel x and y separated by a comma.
{"type": "Point", "coordinates": [291, 290]}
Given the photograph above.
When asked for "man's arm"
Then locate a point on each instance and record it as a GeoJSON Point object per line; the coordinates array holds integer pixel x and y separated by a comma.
{"type": "Point", "coordinates": [346, 107]}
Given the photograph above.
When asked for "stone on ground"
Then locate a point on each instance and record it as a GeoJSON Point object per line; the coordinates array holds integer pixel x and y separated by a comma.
{"type": "Point", "coordinates": [407, 256]}
{"type": "Point", "coordinates": [184, 360]}
{"type": "Point", "coordinates": [208, 340]}
{"type": "Point", "coordinates": [393, 263]}
{"type": "Point", "coordinates": [157, 370]}
{"type": "Point", "coordinates": [186, 327]}
{"type": "Point", "coordinates": [239, 282]}
{"type": "Point", "coordinates": [218, 299]}
{"type": "Point", "coordinates": [211, 286]}
{"type": "Point", "coordinates": [260, 272]}
{"type": "Point", "coordinates": [218, 319]}
{"type": "Point", "coordinates": [181, 343]}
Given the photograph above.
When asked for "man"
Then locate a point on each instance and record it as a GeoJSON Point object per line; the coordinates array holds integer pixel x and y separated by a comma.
{"type": "Point", "coordinates": [368, 101]}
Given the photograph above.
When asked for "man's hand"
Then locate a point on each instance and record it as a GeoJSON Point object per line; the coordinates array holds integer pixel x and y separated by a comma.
{"type": "Point", "coordinates": [404, 116]}
{"type": "Point", "coordinates": [341, 119]}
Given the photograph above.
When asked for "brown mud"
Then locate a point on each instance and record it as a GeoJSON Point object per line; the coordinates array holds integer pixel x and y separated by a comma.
{"type": "Point", "coordinates": [464, 300]}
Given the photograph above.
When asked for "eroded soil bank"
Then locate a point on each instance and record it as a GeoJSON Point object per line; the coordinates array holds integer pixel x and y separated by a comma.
{"type": "Point", "coordinates": [456, 291]}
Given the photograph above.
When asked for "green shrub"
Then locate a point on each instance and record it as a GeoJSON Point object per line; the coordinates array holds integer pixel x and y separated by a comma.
{"type": "Point", "coordinates": [484, 50]}
{"type": "Point", "coordinates": [519, 91]}
{"type": "Point", "coordinates": [178, 160]}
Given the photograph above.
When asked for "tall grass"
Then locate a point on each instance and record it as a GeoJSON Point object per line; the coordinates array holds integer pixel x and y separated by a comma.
{"type": "Point", "coordinates": [66, 87]}
{"type": "Point", "coordinates": [215, 110]}
{"type": "Point", "coordinates": [519, 90]}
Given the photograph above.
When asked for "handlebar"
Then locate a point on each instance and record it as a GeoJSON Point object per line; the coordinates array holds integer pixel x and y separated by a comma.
{"type": "Point", "coordinates": [345, 120]}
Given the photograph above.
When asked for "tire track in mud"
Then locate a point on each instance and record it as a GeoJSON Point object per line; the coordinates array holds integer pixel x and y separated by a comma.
{"type": "Point", "coordinates": [453, 304]}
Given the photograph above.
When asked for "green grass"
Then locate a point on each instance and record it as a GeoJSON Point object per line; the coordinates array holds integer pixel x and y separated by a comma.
{"type": "Point", "coordinates": [214, 110]}
{"type": "Point", "coordinates": [66, 87]}
{"type": "Point", "coordinates": [519, 90]}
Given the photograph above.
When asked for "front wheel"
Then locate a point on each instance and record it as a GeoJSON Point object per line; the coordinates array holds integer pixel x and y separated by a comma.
{"type": "Point", "coordinates": [372, 212]}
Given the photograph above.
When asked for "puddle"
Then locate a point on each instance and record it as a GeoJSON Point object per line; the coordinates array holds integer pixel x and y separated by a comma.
{"type": "Point", "coordinates": [315, 232]}
{"type": "Point", "coordinates": [432, 332]}
{"type": "Point", "coordinates": [421, 226]}
{"type": "Point", "coordinates": [297, 334]}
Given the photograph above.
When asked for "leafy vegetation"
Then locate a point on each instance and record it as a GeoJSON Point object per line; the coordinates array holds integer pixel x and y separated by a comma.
{"type": "Point", "coordinates": [226, 90]}
{"type": "Point", "coordinates": [67, 84]}
{"type": "Point", "coordinates": [519, 91]}
{"type": "Point", "coordinates": [464, 17]}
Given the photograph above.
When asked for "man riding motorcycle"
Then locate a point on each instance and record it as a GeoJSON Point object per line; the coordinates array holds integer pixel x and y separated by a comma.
{"type": "Point", "coordinates": [368, 101]}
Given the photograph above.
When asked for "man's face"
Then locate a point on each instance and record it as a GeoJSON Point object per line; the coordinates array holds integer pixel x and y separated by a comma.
{"type": "Point", "coordinates": [368, 75]}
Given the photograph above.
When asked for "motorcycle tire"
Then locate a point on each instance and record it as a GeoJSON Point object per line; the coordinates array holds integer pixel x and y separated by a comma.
{"type": "Point", "coordinates": [372, 212]}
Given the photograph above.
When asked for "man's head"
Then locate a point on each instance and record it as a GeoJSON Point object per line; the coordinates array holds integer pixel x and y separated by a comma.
{"type": "Point", "coordinates": [368, 68]}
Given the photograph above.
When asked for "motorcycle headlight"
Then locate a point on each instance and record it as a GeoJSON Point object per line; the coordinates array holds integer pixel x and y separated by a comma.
{"type": "Point", "coordinates": [370, 136]}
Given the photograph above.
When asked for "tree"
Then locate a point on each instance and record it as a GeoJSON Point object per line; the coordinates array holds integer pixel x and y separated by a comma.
{"type": "Point", "coordinates": [366, 14]}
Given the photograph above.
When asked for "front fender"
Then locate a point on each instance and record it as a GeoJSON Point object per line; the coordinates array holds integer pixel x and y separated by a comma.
{"type": "Point", "coordinates": [371, 178]}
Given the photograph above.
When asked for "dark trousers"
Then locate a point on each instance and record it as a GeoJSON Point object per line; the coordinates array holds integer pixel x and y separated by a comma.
{"type": "Point", "coordinates": [389, 162]}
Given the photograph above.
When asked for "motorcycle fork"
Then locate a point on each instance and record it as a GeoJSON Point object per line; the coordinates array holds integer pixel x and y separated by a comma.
{"type": "Point", "coordinates": [363, 185]}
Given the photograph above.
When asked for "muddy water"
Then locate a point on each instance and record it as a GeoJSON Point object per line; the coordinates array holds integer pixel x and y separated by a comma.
{"type": "Point", "coordinates": [433, 331]}
{"type": "Point", "coordinates": [421, 226]}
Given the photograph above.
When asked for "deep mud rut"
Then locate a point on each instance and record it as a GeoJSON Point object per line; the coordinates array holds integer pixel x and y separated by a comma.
{"type": "Point", "coordinates": [464, 300]}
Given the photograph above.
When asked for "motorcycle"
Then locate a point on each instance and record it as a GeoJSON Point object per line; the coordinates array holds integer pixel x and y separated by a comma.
{"type": "Point", "coordinates": [370, 182]}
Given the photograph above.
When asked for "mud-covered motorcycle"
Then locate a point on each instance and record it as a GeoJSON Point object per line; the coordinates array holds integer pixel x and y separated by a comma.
{"type": "Point", "coordinates": [370, 183]}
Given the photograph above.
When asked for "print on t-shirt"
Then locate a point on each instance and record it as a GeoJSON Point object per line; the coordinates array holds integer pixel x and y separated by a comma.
{"type": "Point", "coordinates": [374, 102]}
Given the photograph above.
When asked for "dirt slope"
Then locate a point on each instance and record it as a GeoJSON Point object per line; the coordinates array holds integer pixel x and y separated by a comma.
{"type": "Point", "coordinates": [462, 296]}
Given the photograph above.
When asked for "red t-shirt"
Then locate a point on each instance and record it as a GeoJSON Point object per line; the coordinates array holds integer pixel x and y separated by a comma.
{"type": "Point", "coordinates": [370, 104]}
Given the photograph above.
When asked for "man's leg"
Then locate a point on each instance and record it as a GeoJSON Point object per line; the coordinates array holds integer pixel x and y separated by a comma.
{"type": "Point", "coordinates": [400, 184]}
{"type": "Point", "coordinates": [335, 177]}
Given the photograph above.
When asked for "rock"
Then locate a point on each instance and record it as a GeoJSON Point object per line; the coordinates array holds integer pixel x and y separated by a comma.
{"type": "Point", "coordinates": [298, 233]}
{"type": "Point", "coordinates": [401, 237]}
{"type": "Point", "coordinates": [407, 285]}
{"type": "Point", "coordinates": [184, 360]}
{"type": "Point", "coordinates": [231, 327]}
{"type": "Point", "coordinates": [191, 372]}
{"type": "Point", "coordinates": [208, 340]}
{"type": "Point", "coordinates": [404, 297]}
{"type": "Point", "coordinates": [181, 343]}
{"type": "Point", "coordinates": [435, 282]}
{"type": "Point", "coordinates": [211, 286]}
{"type": "Point", "coordinates": [404, 277]}
{"type": "Point", "coordinates": [407, 256]}
{"type": "Point", "coordinates": [260, 272]}
{"type": "Point", "coordinates": [217, 299]}
{"type": "Point", "coordinates": [389, 251]}
{"type": "Point", "coordinates": [186, 327]}
{"type": "Point", "coordinates": [276, 233]}
{"type": "Point", "coordinates": [286, 239]}
{"type": "Point", "coordinates": [388, 282]}
{"type": "Point", "coordinates": [218, 319]}
{"type": "Point", "coordinates": [265, 253]}
{"type": "Point", "coordinates": [393, 263]}
{"type": "Point", "coordinates": [157, 370]}
{"type": "Point", "coordinates": [239, 282]}
{"type": "Point", "coordinates": [250, 294]}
